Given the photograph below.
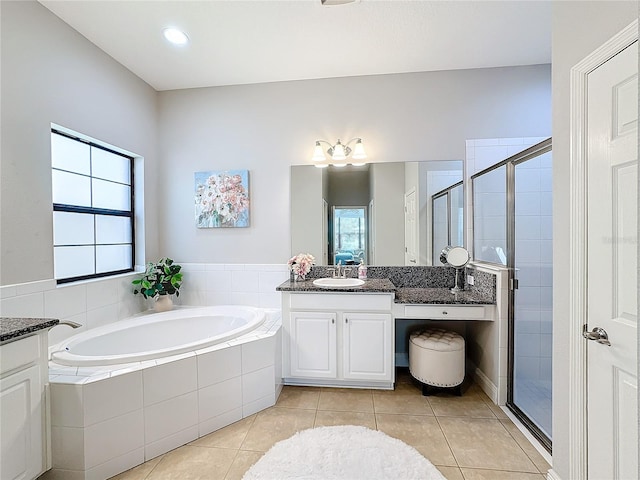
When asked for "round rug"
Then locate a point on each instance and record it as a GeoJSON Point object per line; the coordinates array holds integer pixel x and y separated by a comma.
{"type": "Point", "coordinates": [344, 452]}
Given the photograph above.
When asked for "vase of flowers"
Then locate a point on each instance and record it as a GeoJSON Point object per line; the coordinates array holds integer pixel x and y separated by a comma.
{"type": "Point", "coordinates": [160, 281]}
{"type": "Point", "coordinates": [300, 265]}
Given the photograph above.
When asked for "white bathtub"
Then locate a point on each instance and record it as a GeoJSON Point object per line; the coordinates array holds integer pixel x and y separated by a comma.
{"type": "Point", "coordinates": [157, 335]}
{"type": "Point", "coordinates": [145, 408]}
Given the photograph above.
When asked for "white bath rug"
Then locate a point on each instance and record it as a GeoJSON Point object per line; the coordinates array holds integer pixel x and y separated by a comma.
{"type": "Point", "coordinates": [342, 453]}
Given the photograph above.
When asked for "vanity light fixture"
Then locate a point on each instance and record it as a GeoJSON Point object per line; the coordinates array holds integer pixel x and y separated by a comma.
{"type": "Point", "coordinates": [175, 36]}
{"type": "Point", "coordinates": [339, 153]}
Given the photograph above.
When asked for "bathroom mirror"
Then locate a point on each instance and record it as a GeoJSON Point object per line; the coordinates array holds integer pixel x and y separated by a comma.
{"type": "Point", "coordinates": [384, 210]}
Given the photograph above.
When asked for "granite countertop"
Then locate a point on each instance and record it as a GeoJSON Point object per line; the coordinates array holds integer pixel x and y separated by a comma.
{"type": "Point", "coordinates": [372, 285]}
{"type": "Point", "coordinates": [14, 328]}
{"type": "Point", "coordinates": [440, 296]}
{"type": "Point", "coordinates": [404, 295]}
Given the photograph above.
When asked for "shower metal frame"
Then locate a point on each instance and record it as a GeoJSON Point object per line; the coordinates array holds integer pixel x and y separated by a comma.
{"type": "Point", "coordinates": [510, 163]}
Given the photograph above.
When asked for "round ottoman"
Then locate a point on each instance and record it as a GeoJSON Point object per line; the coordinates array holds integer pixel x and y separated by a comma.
{"type": "Point", "coordinates": [436, 358]}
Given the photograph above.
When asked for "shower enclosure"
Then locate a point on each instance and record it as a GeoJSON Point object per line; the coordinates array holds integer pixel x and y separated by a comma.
{"type": "Point", "coordinates": [512, 226]}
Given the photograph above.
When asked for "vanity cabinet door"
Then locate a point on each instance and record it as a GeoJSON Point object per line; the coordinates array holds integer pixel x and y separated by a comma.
{"type": "Point", "coordinates": [21, 424]}
{"type": "Point", "coordinates": [313, 344]}
{"type": "Point", "coordinates": [367, 346]}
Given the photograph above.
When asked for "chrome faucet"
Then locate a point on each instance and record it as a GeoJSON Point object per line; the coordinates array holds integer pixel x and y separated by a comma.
{"type": "Point", "coordinates": [339, 271]}
{"type": "Point", "coordinates": [69, 323]}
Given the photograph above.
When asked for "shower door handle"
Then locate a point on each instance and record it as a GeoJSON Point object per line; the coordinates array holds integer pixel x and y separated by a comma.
{"type": "Point", "coordinates": [597, 334]}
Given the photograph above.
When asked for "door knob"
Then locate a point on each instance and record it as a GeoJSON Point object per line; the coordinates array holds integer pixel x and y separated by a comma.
{"type": "Point", "coordinates": [598, 334]}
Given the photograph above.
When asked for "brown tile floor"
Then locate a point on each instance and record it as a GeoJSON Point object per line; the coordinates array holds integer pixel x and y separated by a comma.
{"type": "Point", "coordinates": [467, 438]}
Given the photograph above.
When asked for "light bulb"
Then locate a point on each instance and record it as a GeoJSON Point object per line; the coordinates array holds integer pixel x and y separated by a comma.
{"type": "Point", "coordinates": [339, 153]}
{"type": "Point", "coordinates": [318, 153]}
{"type": "Point", "coordinates": [175, 36]}
{"type": "Point", "coordinates": [358, 151]}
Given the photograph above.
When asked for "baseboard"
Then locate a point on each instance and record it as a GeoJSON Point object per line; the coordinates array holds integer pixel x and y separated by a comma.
{"type": "Point", "coordinates": [552, 475]}
{"type": "Point", "coordinates": [486, 384]}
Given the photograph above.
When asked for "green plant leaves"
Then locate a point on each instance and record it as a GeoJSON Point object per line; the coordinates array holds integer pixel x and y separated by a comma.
{"type": "Point", "coordinates": [160, 278]}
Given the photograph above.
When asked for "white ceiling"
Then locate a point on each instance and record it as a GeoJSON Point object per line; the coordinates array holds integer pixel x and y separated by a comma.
{"type": "Point", "coordinates": [242, 41]}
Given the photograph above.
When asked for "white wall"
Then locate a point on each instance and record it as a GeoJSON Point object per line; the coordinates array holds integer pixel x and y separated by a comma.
{"type": "Point", "coordinates": [578, 29]}
{"type": "Point", "coordinates": [50, 73]}
{"type": "Point", "coordinates": [268, 127]}
{"type": "Point", "coordinates": [387, 193]}
{"type": "Point", "coordinates": [307, 185]}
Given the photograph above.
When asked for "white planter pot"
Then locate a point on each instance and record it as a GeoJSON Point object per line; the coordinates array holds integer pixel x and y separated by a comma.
{"type": "Point", "coordinates": [163, 303]}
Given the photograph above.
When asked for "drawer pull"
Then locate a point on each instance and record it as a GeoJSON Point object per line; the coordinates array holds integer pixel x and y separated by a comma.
{"type": "Point", "coordinates": [445, 312]}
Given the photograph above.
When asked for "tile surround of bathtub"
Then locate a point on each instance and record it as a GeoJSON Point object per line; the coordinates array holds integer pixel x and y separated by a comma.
{"type": "Point", "coordinates": [160, 404]}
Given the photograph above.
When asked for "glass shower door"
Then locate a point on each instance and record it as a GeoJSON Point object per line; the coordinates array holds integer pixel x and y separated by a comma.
{"type": "Point", "coordinates": [532, 301]}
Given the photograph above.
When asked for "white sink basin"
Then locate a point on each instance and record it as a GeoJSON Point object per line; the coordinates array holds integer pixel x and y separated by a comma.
{"type": "Point", "coordinates": [338, 282]}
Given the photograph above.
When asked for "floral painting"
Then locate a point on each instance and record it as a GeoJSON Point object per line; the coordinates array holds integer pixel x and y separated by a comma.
{"type": "Point", "coordinates": [222, 199]}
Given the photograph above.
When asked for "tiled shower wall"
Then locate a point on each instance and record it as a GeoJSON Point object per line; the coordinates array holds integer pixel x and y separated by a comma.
{"type": "Point", "coordinates": [99, 302]}
{"type": "Point", "coordinates": [534, 260]}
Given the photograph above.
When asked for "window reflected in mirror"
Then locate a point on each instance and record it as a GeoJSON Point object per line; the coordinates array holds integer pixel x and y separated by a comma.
{"type": "Point", "coordinates": [349, 234]}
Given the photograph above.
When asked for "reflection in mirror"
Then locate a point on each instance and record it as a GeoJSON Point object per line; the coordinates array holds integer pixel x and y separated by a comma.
{"type": "Point", "coordinates": [395, 226]}
{"type": "Point", "coordinates": [348, 244]}
{"type": "Point", "coordinates": [448, 219]}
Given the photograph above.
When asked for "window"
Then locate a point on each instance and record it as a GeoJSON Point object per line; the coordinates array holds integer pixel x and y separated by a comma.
{"type": "Point", "coordinates": [92, 209]}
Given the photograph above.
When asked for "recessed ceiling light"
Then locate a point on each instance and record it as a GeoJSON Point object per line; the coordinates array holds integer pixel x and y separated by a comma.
{"type": "Point", "coordinates": [175, 36]}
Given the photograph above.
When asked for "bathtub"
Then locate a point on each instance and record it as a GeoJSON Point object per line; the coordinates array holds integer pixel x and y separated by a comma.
{"type": "Point", "coordinates": [115, 407]}
{"type": "Point", "coordinates": [157, 335]}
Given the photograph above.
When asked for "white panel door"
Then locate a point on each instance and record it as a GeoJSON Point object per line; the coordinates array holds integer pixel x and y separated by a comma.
{"type": "Point", "coordinates": [313, 344]}
{"type": "Point", "coordinates": [367, 346]}
{"type": "Point", "coordinates": [410, 228]}
{"type": "Point", "coordinates": [21, 429]}
{"type": "Point", "coordinates": [612, 119]}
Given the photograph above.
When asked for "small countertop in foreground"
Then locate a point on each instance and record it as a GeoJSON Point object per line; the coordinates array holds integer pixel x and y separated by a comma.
{"type": "Point", "coordinates": [373, 285]}
{"type": "Point", "coordinates": [440, 296]}
{"type": "Point", "coordinates": [14, 328]}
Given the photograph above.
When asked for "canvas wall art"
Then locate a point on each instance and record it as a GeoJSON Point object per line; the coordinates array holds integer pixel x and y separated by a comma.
{"type": "Point", "coordinates": [222, 198]}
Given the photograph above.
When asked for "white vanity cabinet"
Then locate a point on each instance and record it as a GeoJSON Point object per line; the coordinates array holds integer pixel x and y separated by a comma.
{"type": "Point", "coordinates": [313, 344]}
{"type": "Point", "coordinates": [338, 339]}
{"type": "Point", "coordinates": [23, 426]}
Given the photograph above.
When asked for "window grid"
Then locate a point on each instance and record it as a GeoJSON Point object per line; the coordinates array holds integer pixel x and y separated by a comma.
{"type": "Point", "coordinates": [95, 211]}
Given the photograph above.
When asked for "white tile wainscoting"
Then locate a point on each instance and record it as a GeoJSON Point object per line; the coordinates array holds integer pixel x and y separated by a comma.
{"type": "Point", "coordinates": [99, 302]}
{"type": "Point", "coordinates": [106, 420]}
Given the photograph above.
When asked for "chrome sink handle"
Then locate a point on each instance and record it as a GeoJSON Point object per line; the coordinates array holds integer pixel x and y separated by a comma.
{"type": "Point", "coordinates": [598, 334]}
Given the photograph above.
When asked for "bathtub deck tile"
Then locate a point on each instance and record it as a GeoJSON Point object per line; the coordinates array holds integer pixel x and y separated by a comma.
{"type": "Point", "coordinates": [174, 358]}
{"type": "Point", "coordinates": [72, 379]}
{"type": "Point", "coordinates": [125, 368]}
{"type": "Point", "coordinates": [243, 339]}
{"type": "Point", "coordinates": [57, 369]}
{"type": "Point", "coordinates": [213, 348]}
{"type": "Point", "coordinates": [87, 380]}
{"type": "Point", "coordinates": [90, 371]}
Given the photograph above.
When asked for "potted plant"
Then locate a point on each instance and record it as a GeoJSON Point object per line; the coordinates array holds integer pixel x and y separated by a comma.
{"type": "Point", "coordinates": [160, 280]}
